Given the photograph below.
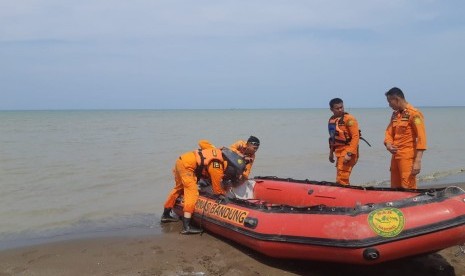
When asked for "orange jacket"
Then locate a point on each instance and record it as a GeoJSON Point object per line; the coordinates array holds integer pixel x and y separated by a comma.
{"type": "Point", "coordinates": [239, 148]}
{"type": "Point", "coordinates": [347, 133]}
{"type": "Point", "coordinates": [406, 131]}
{"type": "Point", "coordinates": [213, 168]}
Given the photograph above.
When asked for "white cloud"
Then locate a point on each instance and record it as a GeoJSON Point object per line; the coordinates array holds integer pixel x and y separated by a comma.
{"type": "Point", "coordinates": [71, 20]}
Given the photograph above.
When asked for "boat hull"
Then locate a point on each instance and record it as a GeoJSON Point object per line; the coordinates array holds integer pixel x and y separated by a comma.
{"type": "Point", "coordinates": [355, 225]}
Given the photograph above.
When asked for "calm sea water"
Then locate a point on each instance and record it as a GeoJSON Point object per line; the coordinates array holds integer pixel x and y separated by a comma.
{"type": "Point", "coordinates": [68, 172]}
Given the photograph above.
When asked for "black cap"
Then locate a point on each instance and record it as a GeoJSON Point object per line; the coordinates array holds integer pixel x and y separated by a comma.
{"type": "Point", "coordinates": [254, 141]}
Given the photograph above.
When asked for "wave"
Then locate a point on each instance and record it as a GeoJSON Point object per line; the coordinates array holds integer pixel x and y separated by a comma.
{"type": "Point", "coordinates": [141, 223]}
{"type": "Point", "coordinates": [439, 178]}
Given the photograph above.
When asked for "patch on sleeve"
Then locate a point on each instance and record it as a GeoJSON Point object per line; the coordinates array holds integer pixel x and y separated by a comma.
{"type": "Point", "coordinates": [417, 120]}
{"type": "Point", "coordinates": [216, 164]}
{"type": "Point", "coordinates": [350, 122]}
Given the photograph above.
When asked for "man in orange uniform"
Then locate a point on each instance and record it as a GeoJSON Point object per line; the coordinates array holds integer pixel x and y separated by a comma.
{"type": "Point", "coordinates": [344, 136]}
{"type": "Point", "coordinates": [244, 188]}
{"type": "Point", "coordinates": [207, 162]}
{"type": "Point", "coordinates": [405, 139]}
{"type": "Point", "coordinates": [247, 149]}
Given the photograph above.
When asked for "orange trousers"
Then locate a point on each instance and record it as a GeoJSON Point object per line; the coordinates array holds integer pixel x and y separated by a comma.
{"type": "Point", "coordinates": [186, 183]}
{"type": "Point", "coordinates": [345, 169]}
{"type": "Point", "coordinates": [401, 174]}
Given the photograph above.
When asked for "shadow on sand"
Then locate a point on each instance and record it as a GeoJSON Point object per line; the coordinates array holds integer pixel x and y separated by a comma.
{"type": "Point", "coordinates": [425, 265]}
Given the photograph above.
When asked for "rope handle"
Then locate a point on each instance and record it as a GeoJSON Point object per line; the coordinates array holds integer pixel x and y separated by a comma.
{"type": "Point", "coordinates": [461, 250]}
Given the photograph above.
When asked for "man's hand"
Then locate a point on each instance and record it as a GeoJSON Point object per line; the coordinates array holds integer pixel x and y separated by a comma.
{"type": "Point", "coordinates": [416, 167]}
{"type": "Point", "coordinates": [248, 159]}
{"type": "Point", "coordinates": [391, 148]}
{"type": "Point", "coordinates": [331, 157]}
{"type": "Point", "coordinates": [417, 163]}
{"type": "Point", "coordinates": [347, 158]}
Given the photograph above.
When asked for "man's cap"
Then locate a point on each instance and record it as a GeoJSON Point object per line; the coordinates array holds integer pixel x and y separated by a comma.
{"type": "Point", "coordinates": [253, 140]}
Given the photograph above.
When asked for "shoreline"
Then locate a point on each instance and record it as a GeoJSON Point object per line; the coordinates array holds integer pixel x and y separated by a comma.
{"type": "Point", "coordinates": [161, 250]}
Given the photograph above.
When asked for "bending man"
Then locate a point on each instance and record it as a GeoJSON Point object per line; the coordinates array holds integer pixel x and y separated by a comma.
{"type": "Point", "coordinates": [216, 165]}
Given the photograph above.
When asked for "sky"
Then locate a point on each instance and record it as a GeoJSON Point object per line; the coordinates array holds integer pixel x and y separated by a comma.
{"type": "Point", "coordinates": [150, 54]}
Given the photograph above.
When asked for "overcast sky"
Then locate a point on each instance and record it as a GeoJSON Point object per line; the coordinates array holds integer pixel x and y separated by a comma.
{"type": "Point", "coordinates": [149, 54]}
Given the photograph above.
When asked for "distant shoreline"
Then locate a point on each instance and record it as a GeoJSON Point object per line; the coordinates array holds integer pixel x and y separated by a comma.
{"type": "Point", "coordinates": [210, 109]}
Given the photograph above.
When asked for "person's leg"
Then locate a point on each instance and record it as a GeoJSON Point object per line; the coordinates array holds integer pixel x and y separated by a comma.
{"type": "Point", "coordinates": [191, 194]}
{"type": "Point", "coordinates": [408, 181]}
{"type": "Point", "coordinates": [344, 170]}
{"type": "Point", "coordinates": [168, 216]}
{"type": "Point", "coordinates": [395, 174]}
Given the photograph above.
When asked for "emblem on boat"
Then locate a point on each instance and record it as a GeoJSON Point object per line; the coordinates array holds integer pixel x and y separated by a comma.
{"type": "Point", "coordinates": [387, 222]}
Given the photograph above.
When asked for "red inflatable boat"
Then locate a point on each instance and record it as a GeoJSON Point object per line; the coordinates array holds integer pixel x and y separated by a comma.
{"type": "Point", "coordinates": [323, 221]}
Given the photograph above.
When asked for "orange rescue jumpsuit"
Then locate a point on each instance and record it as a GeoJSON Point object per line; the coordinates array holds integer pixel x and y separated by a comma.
{"type": "Point", "coordinates": [348, 137]}
{"type": "Point", "coordinates": [186, 178]}
{"type": "Point", "coordinates": [239, 148]}
{"type": "Point", "coordinates": [406, 131]}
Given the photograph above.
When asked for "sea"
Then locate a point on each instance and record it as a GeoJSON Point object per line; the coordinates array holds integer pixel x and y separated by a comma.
{"type": "Point", "coordinates": [79, 173]}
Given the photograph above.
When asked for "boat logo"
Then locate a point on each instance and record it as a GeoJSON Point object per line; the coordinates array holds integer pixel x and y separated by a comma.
{"type": "Point", "coordinates": [387, 222]}
{"type": "Point", "coordinates": [220, 211]}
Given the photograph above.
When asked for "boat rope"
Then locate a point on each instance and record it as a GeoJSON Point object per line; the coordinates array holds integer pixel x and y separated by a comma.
{"type": "Point", "coordinates": [232, 191]}
{"type": "Point", "coordinates": [453, 187]}
{"type": "Point", "coordinates": [461, 250]}
{"type": "Point", "coordinates": [201, 219]}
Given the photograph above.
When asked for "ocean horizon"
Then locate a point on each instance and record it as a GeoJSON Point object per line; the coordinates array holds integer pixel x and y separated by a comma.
{"type": "Point", "coordinates": [200, 109]}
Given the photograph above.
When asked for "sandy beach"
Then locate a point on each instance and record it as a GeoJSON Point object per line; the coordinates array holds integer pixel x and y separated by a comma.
{"type": "Point", "coordinates": [173, 254]}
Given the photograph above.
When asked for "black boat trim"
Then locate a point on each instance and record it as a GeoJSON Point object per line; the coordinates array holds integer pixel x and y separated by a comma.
{"type": "Point", "coordinates": [359, 243]}
{"type": "Point", "coordinates": [424, 196]}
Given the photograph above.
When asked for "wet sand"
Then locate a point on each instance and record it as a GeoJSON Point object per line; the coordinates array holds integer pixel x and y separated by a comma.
{"type": "Point", "coordinates": [175, 254]}
{"type": "Point", "coordinates": [170, 253]}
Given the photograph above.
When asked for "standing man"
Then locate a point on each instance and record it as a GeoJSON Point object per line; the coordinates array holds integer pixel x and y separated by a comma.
{"type": "Point", "coordinates": [344, 136]}
{"type": "Point", "coordinates": [405, 139]}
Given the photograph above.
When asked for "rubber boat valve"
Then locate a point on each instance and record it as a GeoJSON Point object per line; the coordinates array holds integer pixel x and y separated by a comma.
{"type": "Point", "coordinates": [250, 222]}
{"type": "Point", "coordinates": [371, 254]}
